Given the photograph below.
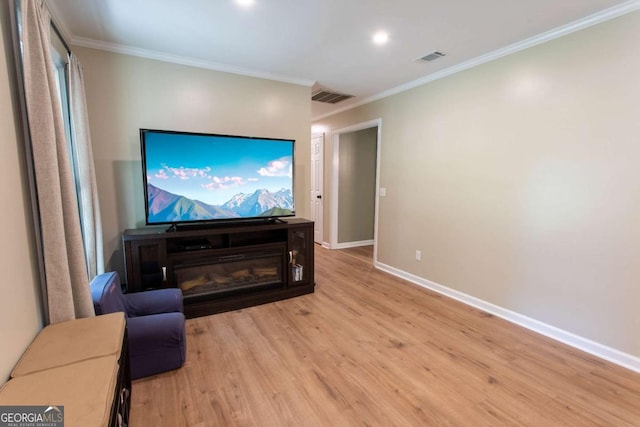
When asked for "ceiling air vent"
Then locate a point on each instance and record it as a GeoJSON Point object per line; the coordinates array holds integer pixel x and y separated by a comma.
{"type": "Point", "coordinates": [432, 56]}
{"type": "Point", "coordinates": [329, 97]}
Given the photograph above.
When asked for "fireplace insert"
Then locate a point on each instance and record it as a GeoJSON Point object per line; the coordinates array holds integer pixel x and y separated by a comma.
{"type": "Point", "coordinates": [213, 276]}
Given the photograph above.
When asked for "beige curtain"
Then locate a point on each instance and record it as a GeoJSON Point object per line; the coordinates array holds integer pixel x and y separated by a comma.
{"type": "Point", "coordinates": [67, 282]}
{"type": "Point", "coordinates": [85, 173]}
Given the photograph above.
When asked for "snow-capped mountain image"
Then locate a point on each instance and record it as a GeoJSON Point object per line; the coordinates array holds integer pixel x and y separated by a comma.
{"type": "Point", "coordinates": [168, 207]}
{"type": "Point", "coordinates": [260, 201]}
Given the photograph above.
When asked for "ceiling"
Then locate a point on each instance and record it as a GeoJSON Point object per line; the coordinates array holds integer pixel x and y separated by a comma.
{"type": "Point", "coordinates": [325, 43]}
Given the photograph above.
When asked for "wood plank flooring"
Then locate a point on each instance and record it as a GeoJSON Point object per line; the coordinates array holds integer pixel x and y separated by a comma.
{"type": "Point", "coordinates": [369, 349]}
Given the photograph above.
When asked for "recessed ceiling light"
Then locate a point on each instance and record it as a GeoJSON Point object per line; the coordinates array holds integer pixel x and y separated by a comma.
{"type": "Point", "coordinates": [381, 37]}
{"type": "Point", "coordinates": [245, 3]}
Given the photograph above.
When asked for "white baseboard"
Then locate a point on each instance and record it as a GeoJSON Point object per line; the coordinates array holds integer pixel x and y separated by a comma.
{"type": "Point", "coordinates": [326, 245]}
{"type": "Point", "coordinates": [602, 351]}
{"type": "Point", "coordinates": [348, 245]}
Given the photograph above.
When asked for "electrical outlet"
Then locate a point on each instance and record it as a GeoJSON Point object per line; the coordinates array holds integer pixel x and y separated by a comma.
{"type": "Point", "coordinates": [383, 191]}
{"type": "Point", "coordinates": [418, 255]}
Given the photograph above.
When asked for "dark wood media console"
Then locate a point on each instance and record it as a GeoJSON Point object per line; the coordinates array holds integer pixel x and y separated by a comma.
{"type": "Point", "coordinates": [223, 267]}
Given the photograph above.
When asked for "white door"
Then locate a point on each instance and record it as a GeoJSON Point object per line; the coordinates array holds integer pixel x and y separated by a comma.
{"type": "Point", "coordinates": [317, 166]}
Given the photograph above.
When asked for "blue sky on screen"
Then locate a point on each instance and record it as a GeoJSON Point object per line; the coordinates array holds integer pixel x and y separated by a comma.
{"type": "Point", "coordinates": [213, 168]}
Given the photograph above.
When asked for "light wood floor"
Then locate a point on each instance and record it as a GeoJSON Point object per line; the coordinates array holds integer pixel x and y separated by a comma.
{"type": "Point", "coordinates": [368, 349]}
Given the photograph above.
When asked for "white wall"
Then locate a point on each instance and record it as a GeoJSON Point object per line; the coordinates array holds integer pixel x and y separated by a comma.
{"type": "Point", "coordinates": [519, 181]}
{"type": "Point", "coordinates": [20, 309]}
{"type": "Point", "coordinates": [126, 93]}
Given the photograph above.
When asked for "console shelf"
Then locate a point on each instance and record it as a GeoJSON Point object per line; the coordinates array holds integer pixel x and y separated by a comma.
{"type": "Point", "coordinates": [223, 267]}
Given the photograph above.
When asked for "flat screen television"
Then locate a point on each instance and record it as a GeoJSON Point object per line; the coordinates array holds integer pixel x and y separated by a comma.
{"type": "Point", "coordinates": [196, 178]}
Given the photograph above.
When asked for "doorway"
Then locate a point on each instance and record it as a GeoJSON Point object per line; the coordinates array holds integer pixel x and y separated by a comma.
{"type": "Point", "coordinates": [355, 183]}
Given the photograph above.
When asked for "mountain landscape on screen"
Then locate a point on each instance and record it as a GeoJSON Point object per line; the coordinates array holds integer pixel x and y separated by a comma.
{"type": "Point", "coordinates": [165, 207]}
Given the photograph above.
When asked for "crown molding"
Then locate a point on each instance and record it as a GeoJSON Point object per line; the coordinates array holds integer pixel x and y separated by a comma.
{"type": "Point", "coordinates": [591, 20]}
{"type": "Point", "coordinates": [183, 60]}
{"type": "Point", "coordinates": [594, 19]}
{"type": "Point", "coordinates": [63, 27]}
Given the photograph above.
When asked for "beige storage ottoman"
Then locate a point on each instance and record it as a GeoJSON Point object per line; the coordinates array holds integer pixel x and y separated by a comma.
{"type": "Point", "coordinates": [85, 389]}
{"type": "Point", "coordinates": [69, 342]}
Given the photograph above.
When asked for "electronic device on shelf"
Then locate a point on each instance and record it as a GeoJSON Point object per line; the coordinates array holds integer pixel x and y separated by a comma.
{"type": "Point", "coordinates": [195, 245]}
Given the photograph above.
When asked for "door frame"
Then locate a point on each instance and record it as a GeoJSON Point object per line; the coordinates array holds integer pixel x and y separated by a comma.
{"type": "Point", "coordinates": [333, 243]}
{"type": "Point", "coordinates": [320, 223]}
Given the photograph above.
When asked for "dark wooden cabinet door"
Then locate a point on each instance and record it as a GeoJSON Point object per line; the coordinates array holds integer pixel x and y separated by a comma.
{"type": "Point", "coordinates": [300, 255]}
{"type": "Point", "coordinates": [146, 264]}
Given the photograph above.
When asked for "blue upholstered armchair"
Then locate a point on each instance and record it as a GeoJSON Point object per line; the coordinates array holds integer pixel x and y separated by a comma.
{"type": "Point", "coordinates": [155, 324]}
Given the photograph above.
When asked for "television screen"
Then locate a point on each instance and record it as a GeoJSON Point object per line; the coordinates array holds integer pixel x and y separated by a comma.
{"type": "Point", "coordinates": [190, 177]}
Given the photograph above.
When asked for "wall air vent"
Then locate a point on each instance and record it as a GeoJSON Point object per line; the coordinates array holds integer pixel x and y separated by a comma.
{"type": "Point", "coordinates": [432, 56]}
{"type": "Point", "coordinates": [324, 95]}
